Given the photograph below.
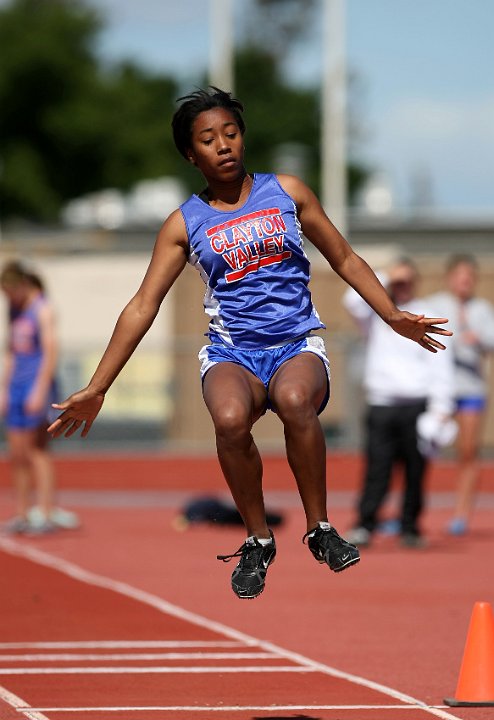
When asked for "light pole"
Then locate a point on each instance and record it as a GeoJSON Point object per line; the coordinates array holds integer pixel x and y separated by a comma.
{"type": "Point", "coordinates": [333, 112]}
{"type": "Point", "coordinates": [221, 39]}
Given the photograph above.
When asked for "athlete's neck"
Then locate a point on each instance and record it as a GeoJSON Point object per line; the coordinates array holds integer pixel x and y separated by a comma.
{"type": "Point", "coordinates": [229, 194]}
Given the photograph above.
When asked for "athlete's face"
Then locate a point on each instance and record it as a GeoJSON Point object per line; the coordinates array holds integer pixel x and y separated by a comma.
{"type": "Point", "coordinates": [402, 283]}
{"type": "Point", "coordinates": [16, 293]}
{"type": "Point", "coordinates": [462, 280]}
{"type": "Point", "coordinates": [217, 145]}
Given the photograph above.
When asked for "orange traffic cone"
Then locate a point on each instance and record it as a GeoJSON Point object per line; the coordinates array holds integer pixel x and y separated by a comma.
{"type": "Point", "coordinates": [476, 682]}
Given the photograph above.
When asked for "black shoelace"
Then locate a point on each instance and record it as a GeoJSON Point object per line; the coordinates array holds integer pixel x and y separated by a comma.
{"type": "Point", "coordinates": [249, 552]}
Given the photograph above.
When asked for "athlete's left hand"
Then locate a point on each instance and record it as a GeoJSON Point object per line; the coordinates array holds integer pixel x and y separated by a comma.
{"type": "Point", "coordinates": [418, 328]}
{"type": "Point", "coordinates": [78, 411]}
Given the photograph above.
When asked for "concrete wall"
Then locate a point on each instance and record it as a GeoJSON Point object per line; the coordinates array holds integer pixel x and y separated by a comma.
{"type": "Point", "coordinates": [161, 383]}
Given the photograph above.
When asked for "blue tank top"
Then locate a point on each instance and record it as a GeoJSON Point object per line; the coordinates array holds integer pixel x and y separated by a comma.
{"type": "Point", "coordinates": [25, 342]}
{"type": "Point", "coordinates": [254, 266]}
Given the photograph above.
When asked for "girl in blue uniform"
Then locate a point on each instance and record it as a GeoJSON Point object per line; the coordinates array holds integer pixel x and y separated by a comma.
{"type": "Point", "coordinates": [28, 389]}
{"type": "Point", "coordinates": [243, 233]}
{"type": "Point", "coordinates": [472, 319]}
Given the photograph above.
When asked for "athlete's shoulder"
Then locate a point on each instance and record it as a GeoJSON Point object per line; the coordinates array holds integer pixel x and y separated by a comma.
{"type": "Point", "coordinates": [175, 220]}
{"type": "Point", "coordinates": [173, 229]}
{"type": "Point", "coordinates": [43, 311]}
{"type": "Point", "coordinates": [195, 211]}
{"type": "Point", "coordinates": [293, 186]}
{"type": "Point", "coordinates": [41, 304]}
{"type": "Point", "coordinates": [191, 200]}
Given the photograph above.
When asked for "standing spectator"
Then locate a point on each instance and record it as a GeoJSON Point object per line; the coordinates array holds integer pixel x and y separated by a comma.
{"type": "Point", "coordinates": [472, 320]}
{"type": "Point", "coordinates": [26, 393]}
{"type": "Point", "coordinates": [402, 385]}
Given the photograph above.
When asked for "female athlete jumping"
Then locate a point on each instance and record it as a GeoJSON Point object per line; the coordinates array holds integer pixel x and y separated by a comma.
{"type": "Point", "coordinates": [244, 234]}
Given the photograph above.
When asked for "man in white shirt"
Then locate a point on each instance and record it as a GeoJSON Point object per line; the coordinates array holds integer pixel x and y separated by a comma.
{"type": "Point", "coordinates": [402, 383]}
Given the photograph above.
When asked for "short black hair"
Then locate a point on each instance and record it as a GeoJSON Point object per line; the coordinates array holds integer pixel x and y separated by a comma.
{"type": "Point", "coordinates": [196, 103]}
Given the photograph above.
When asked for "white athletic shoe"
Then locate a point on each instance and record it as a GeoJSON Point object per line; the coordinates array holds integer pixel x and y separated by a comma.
{"type": "Point", "coordinates": [359, 536]}
{"type": "Point", "coordinates": [64, 519]}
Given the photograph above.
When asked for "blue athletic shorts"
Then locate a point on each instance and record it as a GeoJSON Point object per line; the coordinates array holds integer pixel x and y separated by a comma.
{"type": "Point", "coordinates": [473, 404]}
{"type": "Point", "coordinates": [17, 418]}
{"type": "Point", "coordinates": [265, 362]}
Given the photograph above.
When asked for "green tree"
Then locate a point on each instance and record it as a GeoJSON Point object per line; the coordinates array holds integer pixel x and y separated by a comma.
{"type": "Point", "coordinates": [46, 60]}
{"type": "Point", "coordinates": [68, 126]}
{"type": "Point", "coordinates": [277, 111]}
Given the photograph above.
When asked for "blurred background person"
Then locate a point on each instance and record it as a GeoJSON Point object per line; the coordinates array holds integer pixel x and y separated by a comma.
{"type": "Point", "coordinates": [403, 387]}
{"type": "Point", "coordinates": [27, 390]}
{"type": "Point", "coordinates": [472, 321]}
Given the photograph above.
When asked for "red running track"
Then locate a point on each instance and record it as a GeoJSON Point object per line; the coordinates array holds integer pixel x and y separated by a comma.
{"type": "Point", "coordinates": [130, 613]}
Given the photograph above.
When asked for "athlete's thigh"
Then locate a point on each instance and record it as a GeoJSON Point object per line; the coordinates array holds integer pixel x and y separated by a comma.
{"type": "Point", "coordinates": [469, 432]}
{"type": "Point", "coordinates": [21, 441]}
{"type": "Point", "coordinates": [230, 386]}
{"type": "Point", "coordinates": [304, 374]}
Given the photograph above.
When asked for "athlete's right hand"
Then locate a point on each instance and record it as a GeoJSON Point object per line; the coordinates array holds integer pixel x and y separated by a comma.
{"type": "Point", "coordinates": [80, 409]}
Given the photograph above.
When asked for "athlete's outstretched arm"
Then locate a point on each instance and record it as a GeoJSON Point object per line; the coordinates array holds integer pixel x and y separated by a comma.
{"type": "Point", "coordinates": [317, 227]}
{"type": "Point", "coordinates": [167, 262]}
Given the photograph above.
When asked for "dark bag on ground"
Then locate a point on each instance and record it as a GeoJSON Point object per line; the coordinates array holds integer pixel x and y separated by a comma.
{"type": "Point", "coordinates": [212, 509]}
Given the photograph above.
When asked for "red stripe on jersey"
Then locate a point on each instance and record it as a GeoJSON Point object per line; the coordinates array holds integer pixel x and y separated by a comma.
{"type": "Point", "coordinates": [242, 219]}
{"type": "Point", "coordinates": [253, 266]}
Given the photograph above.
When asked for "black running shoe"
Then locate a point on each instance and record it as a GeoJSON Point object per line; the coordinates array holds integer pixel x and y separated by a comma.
{"type": "Point", "coordinates": [249, 576]}
{"type": "Point", "coordinates": [328, 547]}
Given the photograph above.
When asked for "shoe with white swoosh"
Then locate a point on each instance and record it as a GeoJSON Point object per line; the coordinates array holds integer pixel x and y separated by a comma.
{"type": "Point", "coordinates": [249, 576]}
{"type": "Point", "coordinates": [328, 547]}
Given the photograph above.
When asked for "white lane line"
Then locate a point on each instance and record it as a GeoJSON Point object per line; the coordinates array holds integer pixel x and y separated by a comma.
{"type": "Point", "coordinates": [78, 573]}
{"type": "Point", "coordinates": [72, 657]}
{"type": "Point", "coordinates": [125, 644]}
{"type": "Point", "coordinates": [20, 705]}
{"type": "Point", "coordinates": [237, 708]}
{"type": "Point", "coordinates": [167, 669]}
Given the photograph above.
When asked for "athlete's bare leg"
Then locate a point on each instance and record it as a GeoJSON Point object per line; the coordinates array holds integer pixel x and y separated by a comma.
{"type": "Point", "coordinates": [32, 469]}
{"type": "Point", "coordinates": [43, 472]}
{"type": "Point", "coordinates": [469, 431]}
{"type": "Point", "coordinates": [235, 399]}
{"type": "Point", "coordinates": [297, 391]}
{"type": "Point", "coordinates": [20, 443]}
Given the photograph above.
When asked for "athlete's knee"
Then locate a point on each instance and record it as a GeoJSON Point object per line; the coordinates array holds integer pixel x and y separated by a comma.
{"type": "Point", "coordinates": [231, 422]}
{"type": "Point", "coordinates": [293, 403]}
{"type": "Point", "coordinates": [20, 456]}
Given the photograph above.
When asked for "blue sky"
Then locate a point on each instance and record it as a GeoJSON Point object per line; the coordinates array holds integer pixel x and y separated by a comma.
{"type": "Point", "coordinates": [425, 97]}
{"type": "Point", "coordinates": [426, 66]}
